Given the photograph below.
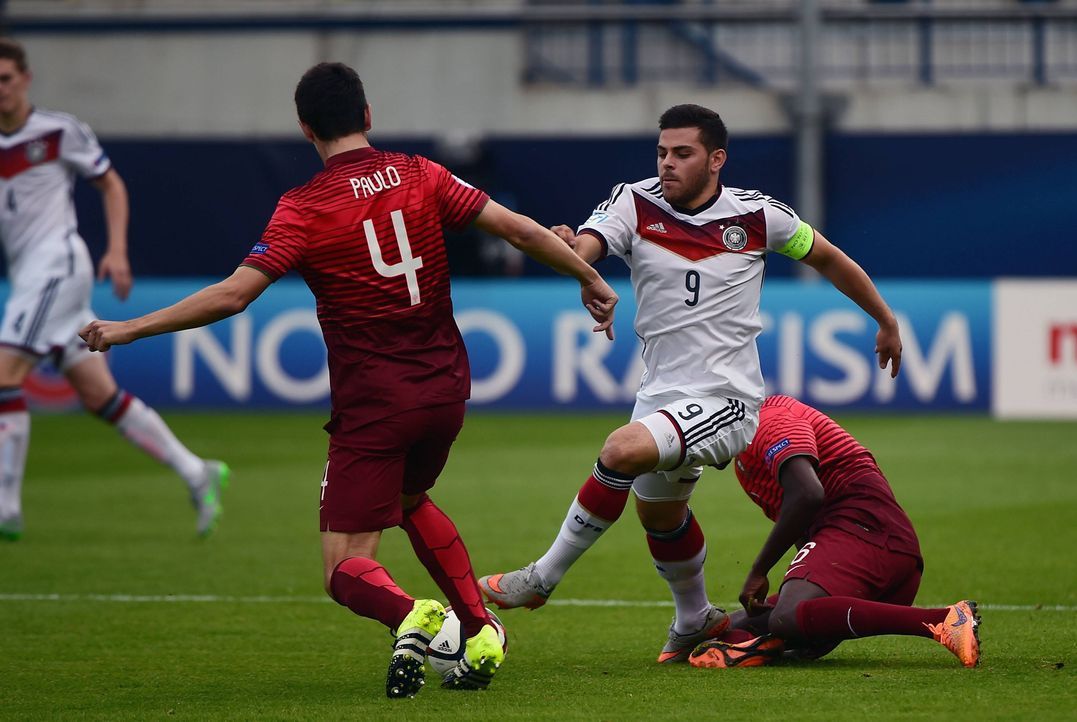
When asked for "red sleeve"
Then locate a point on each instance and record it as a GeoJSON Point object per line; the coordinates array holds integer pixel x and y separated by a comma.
{"type": "Point", "coordinates": [458, 202]}
{"type": "Point", "coordinates": [781, 436]}
{"type": "Point", "coordinates": [283, 243]}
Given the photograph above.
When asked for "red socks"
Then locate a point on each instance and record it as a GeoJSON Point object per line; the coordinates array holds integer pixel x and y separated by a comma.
{"type": "Point", "coordinates": [679, 544]}
{"type": "Point", "coordinates": [365, 587]}
{"type": "Point", "coordinates": [833, 618]}
{"type": "Point", "coordinates": [605, 492]}
{"type": "Point", "coordinates": [441, 550]}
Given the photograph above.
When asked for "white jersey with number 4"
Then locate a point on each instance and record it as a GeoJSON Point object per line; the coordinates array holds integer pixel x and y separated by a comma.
{"type": "Point", "coordinates": [49, 265]}
{"type": "Point", "coordinates": [38, 166]}
{"type": "Point", "coordinates": [697, 277]}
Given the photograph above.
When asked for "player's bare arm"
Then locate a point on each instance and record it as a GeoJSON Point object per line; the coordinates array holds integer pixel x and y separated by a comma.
{"type": "Point", "coordinates": [586, 245]}
{"type": "Point", "coordinates": [114, 264]}
{"type": "Point", "coordinates": [849, 278]}
{"type": "Point", "coordinates": [212, 303]}
{"type": "Point", "coordinates": [547, 248]}
{"type": "Point", "coordinates": [802, 497]}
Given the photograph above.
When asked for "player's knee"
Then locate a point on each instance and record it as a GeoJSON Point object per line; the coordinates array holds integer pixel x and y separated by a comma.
{"type": "Point", "coordinates": [783, 621]}
{"type": "Point", "coordinates": [661, 516]}
{"type": "Point", "coordinates": [94, 399]}
{"type": "Point", "coordinates": [93, 394]}
{"type": "Point", "coordinates": [630, 450]}
{"type": "Point", "coordinates": [13, 369]}
{"type": "Point", "coordinates": [331, 572]}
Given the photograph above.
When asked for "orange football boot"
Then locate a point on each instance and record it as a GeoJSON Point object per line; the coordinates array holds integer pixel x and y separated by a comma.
{"type": "Point", "coordinates": [960, 632]}
{"type": "Point", "coordinates": [721, 655]}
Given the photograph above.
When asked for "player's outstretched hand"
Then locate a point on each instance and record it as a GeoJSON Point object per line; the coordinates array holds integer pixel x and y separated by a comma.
{"type": "Point", "coordinates": [103, 335]}
{"type": "Point", "coordinates": [753, 596]}
{"type": "Point", "coordinates": [599, 300]}
{"type": "Point", "coordinates": [117, 269]}
{"type": "Point", "coordinates": [566, 234]}
{"type": "Point", "coordinates": [888, 346]}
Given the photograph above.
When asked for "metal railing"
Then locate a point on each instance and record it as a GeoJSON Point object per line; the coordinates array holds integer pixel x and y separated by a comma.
{"type": "Point", "coordinates": [710, 44]}
{"type": "Point", "coordinates": [616, 44]}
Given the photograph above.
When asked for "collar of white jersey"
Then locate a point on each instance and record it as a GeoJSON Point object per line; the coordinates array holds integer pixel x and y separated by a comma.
{"type": "Point", "coordinates": [701, 208]}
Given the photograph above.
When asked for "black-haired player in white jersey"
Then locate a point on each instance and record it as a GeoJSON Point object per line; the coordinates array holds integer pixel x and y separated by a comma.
{"type": "Point", "coordinates": [696, 253]}
{"type": "Point", "coordinates": [51, 282]}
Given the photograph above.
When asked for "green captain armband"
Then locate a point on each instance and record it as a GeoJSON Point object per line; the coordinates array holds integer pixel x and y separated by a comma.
{"type": "Point", "coordinates": [801, 242]}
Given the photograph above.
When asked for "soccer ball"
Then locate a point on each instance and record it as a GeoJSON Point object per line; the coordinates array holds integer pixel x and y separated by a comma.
{"type": "Point", "coordinates": [446, 648]}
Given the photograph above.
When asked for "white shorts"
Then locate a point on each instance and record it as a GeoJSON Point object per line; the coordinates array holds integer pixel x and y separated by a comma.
{"type": "Point", "coordinates": [691, 433]}
{"type": "Point", "coordinates": [42, 317]}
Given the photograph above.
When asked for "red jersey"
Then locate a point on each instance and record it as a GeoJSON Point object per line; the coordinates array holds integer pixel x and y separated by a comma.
{"type": "Point", "coordinates": [789, 428]}
{"type": "Point", "coordinates": [366, 236]}
{"type": "Point", "coordinates": [857, 497]}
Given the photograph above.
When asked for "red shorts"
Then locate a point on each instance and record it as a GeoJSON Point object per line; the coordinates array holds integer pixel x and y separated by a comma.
{"type": "Point", "coordinates": [845, 565]}
{"type": "Point", "coordinates": [369, 469]}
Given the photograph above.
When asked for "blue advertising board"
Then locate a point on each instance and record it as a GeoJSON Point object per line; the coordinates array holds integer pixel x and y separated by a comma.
{"type": "Point", "coordinates": [531, 347]}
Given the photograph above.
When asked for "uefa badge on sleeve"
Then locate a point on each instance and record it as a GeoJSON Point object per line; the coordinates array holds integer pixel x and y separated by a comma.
{"type": "Point", "coordinates": [734, 238]}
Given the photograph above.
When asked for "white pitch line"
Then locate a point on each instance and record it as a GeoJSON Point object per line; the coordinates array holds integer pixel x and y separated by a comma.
{"type": "Point", "coordinates": [226, 599]}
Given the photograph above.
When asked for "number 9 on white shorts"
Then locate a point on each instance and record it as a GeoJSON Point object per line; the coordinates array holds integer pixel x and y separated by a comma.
{"type": "Point", "coordinates": [705, 431]}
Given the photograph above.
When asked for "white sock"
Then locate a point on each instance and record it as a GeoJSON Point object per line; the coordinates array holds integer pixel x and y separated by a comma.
{"type": "Point", "coordinates": [578, 532]}
{"type": "Point", "coordinates": [144, 428]}
{"type": "Point", "coordinates": [14, 441]}
{"type": "Point", "coordinates": [685, 579]}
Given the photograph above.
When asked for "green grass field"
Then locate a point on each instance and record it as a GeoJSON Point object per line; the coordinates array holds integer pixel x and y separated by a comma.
{"type": "Point", "coordinates": [88, 629]}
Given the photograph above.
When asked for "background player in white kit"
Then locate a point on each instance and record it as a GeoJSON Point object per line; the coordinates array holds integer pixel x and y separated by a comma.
{"type": "Point", "coordinates": [51, 282]}
{"type": "Point", "coordinates": [696, 253]}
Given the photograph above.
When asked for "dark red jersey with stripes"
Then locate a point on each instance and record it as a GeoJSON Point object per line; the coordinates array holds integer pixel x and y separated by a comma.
{"type": "Point", "coordinates": [366, 236]}
{"type": "Point", "coordinates": [789, 428]}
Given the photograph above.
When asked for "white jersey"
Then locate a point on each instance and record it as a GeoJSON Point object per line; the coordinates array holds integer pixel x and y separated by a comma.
{"type": "Point", "coordinates": [697, 278]}
{"type": "Point", "coordinates": [38, 164]}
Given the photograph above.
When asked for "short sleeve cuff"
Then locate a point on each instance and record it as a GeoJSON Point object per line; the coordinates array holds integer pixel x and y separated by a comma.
{"type": "Point", "coordinates": [262, 267]}
{"type": "Point", "coordinates": [601, 239]}
{"type": "Point", "coordinates": [469, 216]}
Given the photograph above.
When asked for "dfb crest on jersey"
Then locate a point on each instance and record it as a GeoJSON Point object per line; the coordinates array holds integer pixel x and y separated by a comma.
{"type": "Point", "coordinates": [734, 238]}
{"type": "Point", "coordinates": [36, 151]}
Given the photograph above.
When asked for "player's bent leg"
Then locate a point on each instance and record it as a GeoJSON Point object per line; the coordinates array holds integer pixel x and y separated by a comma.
{"type": "Point", "coordinates": [836, 618]}
{"type": "Point", "coordinates": [143, 427]}
{"type": "Point", "coordinates": [14, 439]}
{"type": "Point", "coordinates": [631, 450]}
{"type": "Point", "coordinates": [15, 365]}
{"type": "Point", "coordinates": [678, 550]}
{"type": "Point", "coordinates": [340, 546]}
{"type": "Point", "coordinates": [439, 547]}
{"type": "Point", "coordinates": [783, 622]}
{"type": "Point", "coordinates": [628, 451]}
{"type": "Point", "coordinates": [91, 378]}
{"type": "Point", "coordinates": [355, 580]}
{"type": "Point", "coordinates": [597, 506]}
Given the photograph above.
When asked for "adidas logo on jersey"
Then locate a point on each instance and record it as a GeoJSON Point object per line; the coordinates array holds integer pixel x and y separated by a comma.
{"type": "Point", "coordinates": [657, 228]}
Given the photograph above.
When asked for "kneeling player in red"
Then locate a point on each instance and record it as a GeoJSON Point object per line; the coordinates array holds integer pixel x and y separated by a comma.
{"type": "Point", "coordinates": [858, 567]}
